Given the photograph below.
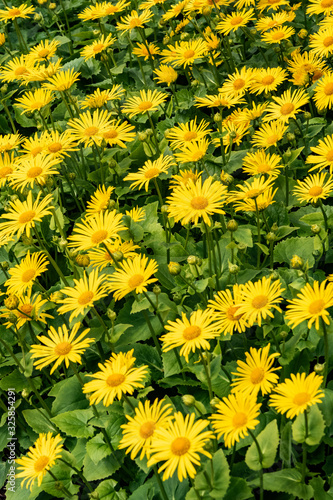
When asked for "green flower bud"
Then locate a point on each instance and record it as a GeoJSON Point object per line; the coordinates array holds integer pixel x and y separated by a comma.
{"type": "Point", "coordinates": [117, 256]}
{"type": "Point", "coordinates": [271, 237]}
{"type": "Point", "coordinates": [192, 260]}
{"type": "Point", "coordinates": [232, 225]}
{"type": "Point", "coordinates": [233, 268]}
{"type": "Point", "coordinates": [142, 136]}
{"type": "Point", "coordinates": [111, 314]}
{"type": "Point", "coordinates": [217, 117]}
{"type": "Point", "coordinates": [296, 262]}
{"type": "Point", "coordinates": [283, 334]}
{"type": "Point", "coordinates": [164, 209]}
{"type": "Point", "coordinates": [5, 265]}
{"type": "Point", "coordinates": [274, 228]}
{"type": "Point", "coordinates": [11, 302]}
{"type": "Point", "coordinates": [214, 402]}
{"type": "Point", "coordinates": [315, 228]}
{"type": "Point", "coordinates": [157, 290]}
{"type": "Point", "coordinates": [307, 115]}
{"type": "Point", "coordinates": [319, 368]}
{"type": "Point", "coordinates": [188, 400]}
{"type": "Point", "coordinates": [82, 260]}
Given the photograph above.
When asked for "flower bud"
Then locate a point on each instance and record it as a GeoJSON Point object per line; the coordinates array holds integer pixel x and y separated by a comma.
{"type": "Point", "coordinates": [111, 314]}
{"type": "Point", "coordinates": [188, 400]}
{"type": "Point", "coordinates": [316, 253]}
{"type": "Point", "coordinates": [26, 241]}
{"type": "Point", "coordinates": [296, 262]}
{"type": "Point", "coordinates": [111, 204]}
{"type": "Point", "coordinates": [94, 495]}
{"type": "Point", "coordinates": [217, 117]}
{"type": "Point", "coordinates": [271, 237]}
{"type": "Point", "coordinates": [302, 34]}
{"type": "Point", "coordinates": [233, 268]}
{"type": "Point", "coordinates": [177, 297]}
{"type": "Point", "coordinates": [199, 261]}
{"type": "Point", "coordinates": [72, 253]}
{"type": "Point", "coordinates": [194, 83]}
{"type": "Point", "coordinates": [112, 164]}
{"type": "Point", "coordinates": [283, 334]}
{"type": "Point", "coordinates": [72, 176]}
{"type": "Point", "coordinates": [192, 260]}
{"type": "Point", "coordinates": [164, 209]}
{"type": "Point", "coordinates": [82, 260]}
{"type": "Point", "coordinates": [149, 132]}
{"type": "Point", "coordinates": [52, 6]}
{"type": "Point", "coordinates": [38, 17]}
{"type": "Point", "coordinates": [315, 228]}
{"type": "Point", "coordinates": [142, 136]}
{"type": "Point", "coordinates": [319, 368]}
{"type": "Point", "coordinates": [157, 290]}
{"type": "Point", "coordinates": [307, 115]}
{"type": "Point", "coordinates": [233, 134]}
{"type": "Point", "coordinates": [25, 393]}
{"type": "Point", "coordinates": [11, 302]}
{"type": "Point", "coordinates": [290, 137]}
{"type": "Point", "coordinates": [274, 228]}
{"type": "Point", "coordinates": [5, 265]}
{"type": "Point", "coordinates": [62, 243]}
{"type": "Point", "coordinates": [4, 88]}
{"type": "Point", "coordinates": [12, 318]}
{"type": "Point", "coordinates": [214, 402]}
{"type": "Point", "coordinates": [56, 296]}
{"type": "Point", "coordinates": [226, 179]}
{"type": "Point", "coordinates": [275, 275]}
{"type": "Point", "coordinates": [242, 247]}
{"type": "Point", "coordinates": [232, 225]}
{"type": "Point", "coordinates": [117, 256]}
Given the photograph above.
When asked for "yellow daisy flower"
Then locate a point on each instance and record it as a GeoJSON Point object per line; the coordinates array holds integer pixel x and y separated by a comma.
{"type": "Point", "coordinates": [10, 141]}
{"type": "Point", "coordinates": [286, 106]}
{"type": "Point", "coordinates": [134, 20]}
{"type": "Point", "coordinates": [226, 312]}
{"type": "Point", "coordinates": [250, 189]}
{"type": "Point", "coordinates": [179, 445]}
{"type": "Point", "coordinates": [119, 133]}
{"type": "Point", "coordinates": [30, 308]}
{"type": "Point", "coordinates": [99, 201]}
{"type": "Point", "coordinates": [267, 80]}
{"type": "Point", "coordinates": [313, 188]}
{"type": "Point", "coordinates": [115, 378]}
{"type": "Point", "coordinates": [57, 145]}
{"type": "Point", "coordinates": [137, 214]}
{"type": "Point", "coordinates": [238, 82]}
{"type": "Point", "coordinates": [22, 275]}
{"type": "Point", "coordinates": [323, 154]}
{"type": "Point", "coordinates": [7, 167]}
{"type": "Point", "coordinates": [98, 46]}
{"type": "Point", "coordinates": [323, 93]}
{"type": "Point", "coordinates": [271, 4]}
{"type": "Point", "coordinates": [277, 35]}
{"type": "Point", "coordinates": [31, 171]}
{"type": "Point", "coordinates": [269, 134]}
{"type": "Point", "coordinates": [101, 258]}
{"type": "Point", "coordinates": [100, 97]}
{"type": "Point", "coordinates": [150, 170]}
{"type": "Point", "coordinates": [35, 100]}
{"type": "Point", "coordinates": [262, 163]}
{"type": "Point", "coordinates": [13, 13]}
{"type": "Point", "coordinates": [321, 43]}
{"type": "Point", "coordinates": [296, 394]}
{"type": "Point", "coordinates": [43, 50]}
{"type": "Point", "coordinates": [320, 7]}
{"type": "Point", "coordinates": [42, 72]}
{"type": "Point", "coordinates": [308, 63]}
{"type": "Point", "coordinates": [147, 101]}
{"type": "Point", "coordinates": [184, 53]}
{"type": "Point", "coordinates": [165, 74]}
{"type": "Point", "coordinates": [16, 69]}
{"type": "Point", "coordinates": [266, 23]}
{"type": "Point", "coordinates": [62, 81]}
{"type": "Point", "coordinates": [89, 129]}
{"type": "Point", "coordinates": [141, 50]}
{"type": "Point", "coordinates": [187, 133]}
{"type": "Point", "coordinates": [193, 152]}
{"type": "Point", "coordinates": [218, 101]}
{"type": "Point", "coordinates": [183, 177]}
{"type": "Point", "coordinates": [233, 21]}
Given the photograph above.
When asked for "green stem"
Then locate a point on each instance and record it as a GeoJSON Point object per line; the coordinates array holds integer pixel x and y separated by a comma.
{"type": "Point", "coordinates": [154, 132]}
{"type": "Point", "coordinates": [260, 460]}
{"type": "Point", "coordinates": [259, 233]}
{"type": "Point", "coordinates": [326, 344]}
{"type": "Point", "coordinates": [195, 490]}
{"type": "Point", "coordinates": [160, 483]}
{"type": "Point", "coordinates": [128, 402]}
{"type": "Point", "coordinates": [324, 215]}
{"type": "Point", "coordinates": [79, 473]}
{"type": "Point", "coordinates": [53, 262]}
{"type": "Point", "coordinates": [63, 488]}
{"type": "Point", "coordinates": [209, 383]}
{"type": "Point", "coordinates": [9, 116]}
{"type": "Point", "coordinates": [304, 446]}
{"type": "Point", "coordinates": [286, 175]}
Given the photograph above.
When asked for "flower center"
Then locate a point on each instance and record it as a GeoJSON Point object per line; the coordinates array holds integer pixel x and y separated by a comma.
{"type": "Point", "coordinates": [316, 306]}
{"type": "Point", "coordinates": [188, 54]}
{"type": "Point", "coordinates": [328, 89]}
{"type": "Point", "coordinates": [238, 83]}
{"type": "Point", "coordinates": [272, 139]}
{"type": "Point", "coordinates": [191, 332]}
{"type": "Point", "coordinates": [328, 41]}
{"type": "Point", "coordinates": [85, 298]}
{"type": "Point", "coordinates": [55, 147]}
{"type": "Point", "coordinates": [231, 313]}
{"type": "Point", "coordinates": [199, 202]}
{"type": "Point", "coordinates": [134, 23]}
{"type": "Point", "coordinates": [26, 309]}
{"type": "Point", "coordinates": [36, 151]}
{"type": "Point", "coordinates": [4, 171]}
{"type": "Point", "coordinates": [98, 47]}
{"type": "Point", "coordinates": [239, 420]}
{"type": "Point", "coordinates": [135, 280]}
{"type": "Point", "coordinates": [189, 136]}
{"type": "Point", "coordinates": [111, 10]}
{"type": "Point", "coordinates": [301, 398]}
{"type": "Point", "coordinates": [236, 20]}
{"type": "Point", "coordinates": [90, 131]}
{"type": "Point", "coordinates": [326, 3]}
{"type": "Point", "coordinates": [21, 70]}
{"type": "Point", "coordinates": [99, 236]}
{"type": "Point", "coordinates": [152, 172]}
{"type": "Point", "coordinates": [34, 172]}
{"type": "Point", "coordinates": [259, 301]}
{"type": "Point", "coordinates": [110, 134]}
{"type": "Point", "coordinates": [145, 105]}
{"type": "Point", "coordinates": [257, 375]}
{"type": "Point", "coordinates": [37, 105]}
{"type": "Point", "coordinates": [252, 193]}
{"type": "Point", "coordinates": [329, 156]}
{"type": "Point", "coordinates": [267, 80]}
{"type": "Point", "coordinates": [115, 379]}
{"type": "Point", "coordinates": [28, 275]}
{"type": "Point", "coordinates": [197, 156]}
{"type": "Point", "coordinates": [315, 191]}
{"type": "Point", "coordinates": [147, 429]}
{"type": "Point", "coordinates": [43, 53]}
{"type": "Point", "coordinates": [264, 167]}
{"type": "Point", "coordinates": [26, 216]}
{"type": "Point", "coordinates": [180, 446]}
{"type": "Point", "coordinates": [62, 349]}
{"type": "Point", "coordinates": [287, 108]}
{"type": "Point", "coordinates": [278, 35]}
{"type": "Point", "coordinates": [41, 463]}
{"type": "Point", "coordinates": [14, 12]}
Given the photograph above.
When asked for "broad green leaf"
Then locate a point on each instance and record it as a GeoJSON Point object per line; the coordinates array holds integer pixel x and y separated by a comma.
{"type": "Point", "coordinates": [216, 485]}
{"type": "Point", "coordinates": [106, 491]}
{"type": "Point", "coordinates": [326, 406]}
{"type": "Point", "coordinates": [316, 427]}
{"type": "Point", "coordinates": [74, 423]}
{"type": "Point", "coordinates": [38, 420]}
{"type": "Point", "coordinates": [97, 449]}
{"type": "Point", "coordinates": [318, 485]}
{"type": "Point", "coordinates": [68, 396]}
{"type": "Point", "coordinates": [238, 490]}
{"type": "Point", "coordinates": [268, 441]}
{"type": "Point", "coordinates": [102, 470]}
{"type": "Point", "coordinates": [287, 481]}
{"type": "Point", "coordinates": [286, 444]}
{"type": "Point", "coordinates": [303, 247]}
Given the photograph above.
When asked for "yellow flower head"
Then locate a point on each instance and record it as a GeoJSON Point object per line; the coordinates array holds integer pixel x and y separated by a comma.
{"type": "Point", "coordinates": [184, 53]}
{"type": "Point", "coordinates": [98, 46]}
{"type": "Point", "coordinates": [286, 106]}
{"type": "Point", "coordinates": [31, 171]}
{"type": "Point", "coordinates": [269, 134]}
{"type": "Point", "coordinates": [62, 80]}
{"type": "Point", "coordinates": [314, 187]}
{"type": "Point", "coordinates": [23, 275]}
{"type": "Point", "coordinates": [233, 21]}
{"type": "Point", "coordinates": [150, 170]}
{"type": "Point", "coordinates": [99, 200]}
{"type": "Point", "coordinates": [187, 133]}
{"type": "Point", "coordinates": [89, 128]}
{"type": "Point", "coordinates": [226, 312]}
{"type": "Point", "coordinates": [134, 20]}
{"type": "Point", "coordinates": [103, 257]}
{"type": "Point", "coordinates": [43, 50]}
{"type": "Point", "coordinates": [100, 97]}
{"type": "Point", "coordinates": [13, 13]}
{"type": "Point", "coordinates": [119, 133]}
{"type": "Point", "coordinates": [259, 163]}
{"type": "Point", "coordinates": [165, 74]}
{"type": "Point", "coordinates": [323, 154]}
{"type": "Point", "coordinates": [147, 101]}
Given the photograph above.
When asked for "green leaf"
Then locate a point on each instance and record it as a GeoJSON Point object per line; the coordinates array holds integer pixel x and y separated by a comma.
{"type": "Point", "coordinates": [263, 248]}
{"type": "Point", "coordinates": [316, 427]}
{"type": "Point", "coordinates": [97, 449]}
{"type": "Point", "coordinates": [217, 485]}
{"type": "Point", "coordinates": [37, 421]}
{"type": "Point", "coordinates": [326, 406]}
{"type": "Point", "coordinates": [69, 396]}
{"type": "Point", "coordinates": [238, 490]}
{"type": "Point", "coordinates": [286, 444]}
{"type": "Point", "coordinates": [17, 379]}
{"type": "Point", "coordinates": [317, 484]}
{"type": "Point", "coordinates": [244, 235]}
{"type": "Point", "coordinates": [106, 491]}
{"type": "Point", "coordinates": [102, 470]}
{"type": "Point", "coordinates": [286, 481]}
{"type": "Point", "coordinates": [74, 423]}
{"type": "Point", "coordinates": [314, 218]}
{"type": "Point", "coordinates": [303, 247]}
{"type": "Point", "coordinates": [268, 441]}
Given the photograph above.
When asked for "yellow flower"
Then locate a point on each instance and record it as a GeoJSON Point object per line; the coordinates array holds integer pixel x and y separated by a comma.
{"type": "Point", "coordinates": [286, 106]}
{"type": "Point", "coordinates": [277, 35]}
{"type": "Point", "coordinates": [83, 295]}
{"type": "Point", "coordinates": [31, 171]}
{"type": "Point", "coordinates": [218, 101]}
{"type": "Point", "coordinates": [10, 141]}
{"type": "Point", "coordinates": [7, 167]}
{"type": "Point", "coordinates": [115, 378]}
{"type": "Point", "coordinates": [313, 188]}
{"type": "Point", "coordinates": [2, 38]}
{"type": "Point", "coordinates": [101, 258]}
{"type": "Point", "coordinates": [12, 13]}
{"type": "Point", "coordinates": [226, 312]}
{"type": "Point", "coordinates": [238, 82]}
{"type": "Point", "coordinates": [271, 4]}
{"type": "Point", "coordinates": [57, 145]}
{"type": "Point", "coordinates": [23, 215]}
{"type": "Point", "coordinates": [104, 9]}
{"type": "Point", "coordinates": [267, 80]}
{"type": "Point", "coordinates": [23, 275]}
{"type": "Point", "coordinates": [97, 47]}
{"type": "Point", "coordinates": [43, 50]}
{"type": "Point", "coordinates": [269, 134]}
{"type": "Point", "coordinates": [29, 308]}
{"type": "Point", "coordinates": [142, 51]}
{"type": "Point", "coordinates": [191, 334]}
{"type": "Point", "coordinates": [262, 163]}
{"type": "Point", "coordinates": [251, 189]}
{"type": "Point", "coordinates": [134, 20]}
{"type": "Point", "coordinates": [41, 458]}
{"type": "Point", "coordinates": [193, 152]}
{"type": "Point", "coordinates": [320, 7]}
{"type": "Point", "coordinates": [147, 101]}
{"type": "Point", "coordinates": [62, 80]}
{"type": "Point", "coordinates": [234, 133]}
{"type": "Point", "coordinates": [311, 304]}
{"type": "Point", "coordinates": [99, 228]}
{"type": "Point", "coordinates": [235, 415]}
{"type": "Point", "coordinates": [165, 74]}
{"type": "Point", "coordinates": [184, 53]}
{"type": "Point", "coordinates": [187, 133]}
{"type": "Point", "coordinates": [323, 93]}
{"type": "Point", "coordinates": [119, 133]}
{"type": "Point", "coordinates": [179, 445]}
{"type": "Point", "coordinates": [89, 129]}
{"type": "Point", "coordinates": [139, 431]}
{"type": "Point", "coordinates": [266, 23]}
{"type": "Point", "coordinates": [324, 152]}
{"type": "Point", "coordinates": [296, 394]}
{"type": "Point", "coordinates": [100, 97]}
{"type": "Point", "coordinates": [183, 177]}
{"type": "Point", "coordinates": [133, 275]}
{"type": "Point", "coordinates": [189, 202]}
{"type": "Point", "coordinates": [60, 346]}
{"type": "Point", "coordinates": [321, 43]}
{"type": "Point", "coordinates": [42, 72]}
{"type": "Point", "coordinates": [256, 373]}
{"type": "Point", "coordinates": [307, 63]}
{"type": "Point", "coordinates": [233, 21]}
{"type": "Point", "coordinates": [34, 101]}
{"type": "Point", "coordinates": [137, 214]}
{"type": "Point", "coordinates": [99, 201]}
{"type": "Point", "coordinates": [150, 170]}
{"type": "Point", "coordinates": [16, 69]}
{"type": "Point", "coordinates": [258, 299]}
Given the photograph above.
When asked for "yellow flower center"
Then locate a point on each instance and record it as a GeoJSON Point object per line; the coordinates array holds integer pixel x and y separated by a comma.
{"type": "Point", "coordinates": [85, 298]}
{"type": "Point", "coordinates": [236, 20]}
{"type": "Point", "coordinates": [28, 275]}
{"type": "Point", "coordinates": [252, 193]}
{"type": "Point", "coordinates": [41, 463]}
{"type": "Point", "coordinates": [197, 155]}
{"type": "Point", "coordinates": [98, 47]}
{"type": "Point", "coordinates": [231, 313]}
{"type": "Point", "coordinates": [26, 309]}
{"type": "Point", "coordinates": [36, 151]}
{"type": "Point", "coordinates": [264, 167]}
{"type": "Point", "coordinates": [316, 306]}
{"type": "Point", "coordinates": [14, 12]}
{"type": "Point", "coordinates": [191, 332]}
{"type": "Point", "coordinates": [188, 54]}
{"type": "Point", "coordinates": [326, 3]}
{"type": "Point", "coordinates": [180, 446]}
{"type": "Point", "coordinates": [143, 106]}
{"type": "Point", "coordinates": [259, 301]}
{"type": "Point", "coordinates": [110, 134]}
{"type": "Point", "coordinates": [21, 70]}
{"type": "Point", "coordinates": [239, 420]}
{"type": "Point", "coordinates": [273, 1]}
{"type": "Point", "coordinates": [287, 108]}
{"type": "Point", "coordinates": [115, 379]}
{"type": "Point", "coordinates": [152, 172]}
{"type": "Point", "coordinates": [199, 202]}
{"type": "Point", "coordinates": [55, 147]}
{"type": "Point", "coordinates": [147, 429]}
{"type": "Point", "coordinates": [134, 23]}
{"type": "Point", "coordinates": [315, 191]}
{"type": "Point", "coordinates": [43, 53]}
{"type": "Point", "coordinates": [301, 398]}
{"type": "Point", "coordinates": [135, 280]}
{"type": "Point", "coordinates": [267, 80]}
{"type": "Point", "coordinates": [238, 83]}
{"type": "Point", "coordinates": [189, 136]}
{"type": "Point", "coordinates": [99, 236]}
{"type": "Point", "coordinates": [278, 35]}
{"type": "Point", "coordinates": [26, 216]}
{"type": "Point", "coordinates": [272, 139]}
{"type": "Point", "coordinates": [329, 156]}
{"type": "Point", "coordinates": [328, 89]}
{"type": "Point", "coordinates": [111, 10]}
{"type": "Point", "coordinates": [4, 171]}
{"type": "Point", "coordinates": [34, 172]}
{"type": "Point", "coordinates": [37, 105]}
{"type": "Point", "coordinates": [257, 375]}
{"type": "Point", "coordinates": [328, 41]}
{"type": "Point", "coordinates": [90, 131]}
{"type": "Point", "coordinates": [62, 349]}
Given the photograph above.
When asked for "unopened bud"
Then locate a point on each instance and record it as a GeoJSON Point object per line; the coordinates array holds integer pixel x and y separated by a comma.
{"type": "Point", "coordinates": [72, 253]}
{"type": "Point", "coordinates": [290, 137]}
{"type": "Point", "coordinates": [315, 228]}
{"type": "Point", "coordinates": [307, 115]}
{"type": "Point", "coordinates": [142, 136]}
{"type": "Point", "coordinates": [72, 176]}
{"type": "Point", "coordinates": [192, 260]}
{"type": "Point", "coordinates": [149, 132]}
{"type": "Point", "coordinates": [111, 314]}
{"type": "Point", "coordinates": [274, 228]}
{"type": "Point", "coordinates": [188, 400]}
{"type": "Point", "coordinates": [194, 83]}
{"type": "Point", "coordinates": [233, 268]}
{"type": "Point", "coordinates": [232, 225]}
{"type": "Point", "coordinates": [52, 6]}
{"type": "Point", "coordinates": [25, 393]}
{"type": "Point", "coordinates": [214, 402]}
{"type": "Point", "coordinates": [111, 204]}
{"type": "Point", "coordinates": [5, 265]}
{"type": "Point", "coordinates": [302, 34]}
{"type": "Point", "coordinates": [38, 17]}
{"type": "Point", "coordinates": [157, 290]}
{"type": "Point", "coordinates": [12, 318]}
{"type": "Point", "coordinates": [199, 261]}
{"type": "Point", "coordinates": [177, 297]}
{"type": "Point", "coordinates": [4, 88]}
{"type": "Point", "coordinates": [112, 164]}
{"type": "Point", "coordinates": [11, 302]}
{"type": "Point", "coordinates": [94, 495]}
{"type": "Point", "coordinates": [226, 179]}
{"type": "Point", "coordinates": [296, 262]}
{"type": "Point", "coordinates": [82, 260]}
{"type": "Point", "coordinates": [319, 368]}
{"type": "Point", "coordinates": [283, 334]}
{"type": "Point", "coordinates": [233, 134]}
{"type": "Point", "coordinates": [271, 237]}
{"type": "Point", "coordinates": [27, 241]}
{"type": "Point", "coordinates": [117, 256]}
{"type": "Point", "coordinates": [174, 268]}
{"type": "Point", "coordinates": [316, 253]}
{"type": "Point", "coordinates": [56, 296]}
{"type": "Point", "coordinates": [217, 117]}
{"type": "Point", "coordinates": [164, 209]}
{"type": "Point", "coordinates": [62, 243]}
